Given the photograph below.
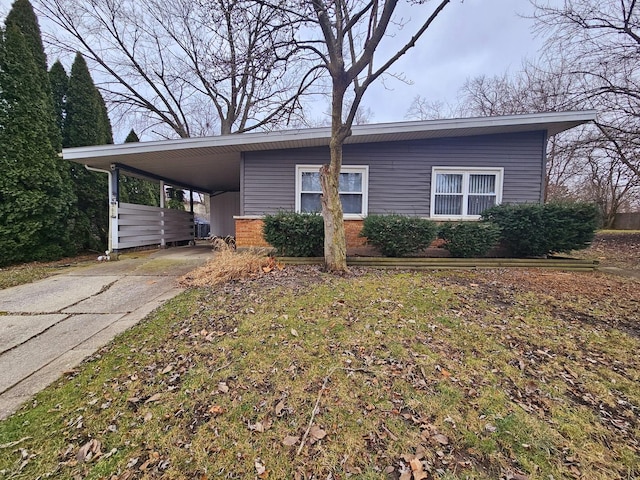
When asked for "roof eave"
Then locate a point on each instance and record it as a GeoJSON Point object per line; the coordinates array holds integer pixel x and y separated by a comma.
{"type": "Point", "coordinates": [553, 122]}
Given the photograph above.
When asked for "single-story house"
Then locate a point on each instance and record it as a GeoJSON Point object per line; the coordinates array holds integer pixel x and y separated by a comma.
{"type": "Point", "coordinates": [439, 169]}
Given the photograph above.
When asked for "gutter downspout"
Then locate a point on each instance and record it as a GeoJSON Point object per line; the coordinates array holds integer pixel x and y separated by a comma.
{"type": "Point", "coordinates": [113, 209]}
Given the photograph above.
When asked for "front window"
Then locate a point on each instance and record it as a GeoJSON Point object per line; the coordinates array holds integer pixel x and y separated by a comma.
{"type": "Point", "coordinates": [458, 193]}
{"type": "Point", "coordinates": [352, 189]}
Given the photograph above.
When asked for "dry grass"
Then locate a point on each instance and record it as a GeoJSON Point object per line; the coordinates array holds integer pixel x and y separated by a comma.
{"type": "Point", "coordinates": [465, 375]}
{"type": "Point", "coordinates": [15, 275]}
{"type": "Point", "coordinates": [227, 265]}
{"type": "Point", "coordinates": [617, 248]}
{"type": "Point", "coordinates": [498, 374]}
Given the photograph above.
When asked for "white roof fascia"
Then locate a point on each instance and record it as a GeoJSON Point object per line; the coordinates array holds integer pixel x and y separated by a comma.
{"type": "Point", "coordinates": [360, 133]}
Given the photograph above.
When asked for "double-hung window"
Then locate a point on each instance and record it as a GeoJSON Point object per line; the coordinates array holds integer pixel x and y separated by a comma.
{"type": "Point", "coordinates": [458, 193]}
{"type": "Point", "coordinates": [353, 187]}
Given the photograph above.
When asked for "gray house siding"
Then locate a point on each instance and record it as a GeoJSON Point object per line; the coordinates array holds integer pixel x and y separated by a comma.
{"type": "Point", "coordinates": [399, 172]}
{"type": "Point", "coordinates": [223, 209]}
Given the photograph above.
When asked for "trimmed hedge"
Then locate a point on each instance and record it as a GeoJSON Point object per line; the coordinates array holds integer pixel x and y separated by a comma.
{"type": "Point", "coordinates": [295, 234]}
{"type": "Point", "coordinates": [398, 235]}
{"type": "Point", "coordinates": [530, 230]}
{"type": "Point", "coordinates": [469, 239]}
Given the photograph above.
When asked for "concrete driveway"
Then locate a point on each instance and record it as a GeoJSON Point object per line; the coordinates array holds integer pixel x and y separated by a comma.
{"type": "Point", "coordinates": [50, 326]}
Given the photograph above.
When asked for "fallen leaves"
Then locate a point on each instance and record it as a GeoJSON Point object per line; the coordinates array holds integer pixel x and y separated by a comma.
{"type": "Point", "coordinates": [260, 427]}
{"type": "Point", "coordinates": [261, 470]}
{"type": "Point", "coordinates": [272, 265]}
{"type": "Point", "coordinates": [216, 410]}
{"type": "Point", "coordinates": [281, 409]}
{"type": "Point", "coordinates": [441, 439]}
{"type": "Point", "coordinates": [316, 433]}
{"type": "Point", "coordinates": [249, 359]}
{"type": "Point", "coordinates": [290, 441]}
{"type": "Point", "coordinates": [156, 397]}
{"type": "Point", "coordinates": [89, 451]}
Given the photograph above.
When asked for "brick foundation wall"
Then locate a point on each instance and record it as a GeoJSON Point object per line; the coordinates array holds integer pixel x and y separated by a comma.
{"type": "Point", "coordinates": [352, 230]}
{"type": "Point", "coordinates": [249, 233]}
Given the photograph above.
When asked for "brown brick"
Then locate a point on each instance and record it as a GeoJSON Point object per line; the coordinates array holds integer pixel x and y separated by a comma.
{"type": "Point", "coordinates": [352, 230]}
{"type": "Point", "coordinates": [249, 233]}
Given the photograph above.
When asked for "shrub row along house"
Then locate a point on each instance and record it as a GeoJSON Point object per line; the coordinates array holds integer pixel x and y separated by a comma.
{"type": "Point", "coordinates": [439, 169]}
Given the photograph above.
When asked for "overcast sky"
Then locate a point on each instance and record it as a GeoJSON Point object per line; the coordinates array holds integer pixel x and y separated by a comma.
{"type": "Point", "coordinates": [469, 38]}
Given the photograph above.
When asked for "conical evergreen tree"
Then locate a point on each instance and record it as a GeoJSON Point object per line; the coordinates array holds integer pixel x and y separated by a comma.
{"type": "Point", "coordinates": [34, 199]}
{"type": "Point", "coordinates": [138, 190]}
{"type": "Point", "coordinates": [105, 124]}
{"type": "Point", "coordinates": [132, 137]}
{"type": "Point", "coordinates": [87, 123]}
{"type": "Point", "coordinates": [23, 16]}
{"type": "Point", "coordinates": [59, 81]}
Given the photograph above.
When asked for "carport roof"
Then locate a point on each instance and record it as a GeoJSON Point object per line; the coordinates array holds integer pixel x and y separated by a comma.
{"type": "Point", "coordinates": [212, 164]}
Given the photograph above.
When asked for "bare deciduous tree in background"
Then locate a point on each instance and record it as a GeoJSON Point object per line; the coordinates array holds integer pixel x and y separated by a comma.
{"type": "Point", "coordinates": [602, 39]}
{"type": "Point", "coordinates": [537, 87]}
{"type": "Point", "coordinates": [422, 108]}
{"type": "Point", "coordinates": [187, 68]}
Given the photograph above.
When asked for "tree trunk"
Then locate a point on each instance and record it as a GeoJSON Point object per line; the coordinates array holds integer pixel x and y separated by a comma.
{"type": "Point", "coordinates": [335, 245]}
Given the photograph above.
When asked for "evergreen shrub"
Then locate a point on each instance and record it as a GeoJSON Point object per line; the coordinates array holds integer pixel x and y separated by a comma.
{"type": "Point", "coordinates": [530, 230]}
{"type": "Point", "coordinates": [398, 235]}
{"type": "Point", "coordinates": [469, 239]}
{"type": "Point", "coordinates": [295, 234]}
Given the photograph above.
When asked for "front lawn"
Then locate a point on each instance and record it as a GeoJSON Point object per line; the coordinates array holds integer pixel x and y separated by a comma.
{"type": "Point", "coordinates": [15, 275]}
{"type": "Point", "coordinates": [617, 248]}
{"type": "Point", "coordinates": [512, 374]}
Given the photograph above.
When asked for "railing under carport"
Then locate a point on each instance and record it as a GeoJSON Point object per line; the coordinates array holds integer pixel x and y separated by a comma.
{"type": "Point", "coordinates": [133, 225]}
{"type": "Point", "coordinates": [142, 225]}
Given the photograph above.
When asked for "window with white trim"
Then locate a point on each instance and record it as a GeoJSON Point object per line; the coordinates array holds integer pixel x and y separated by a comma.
{"type": "Point", "coordinates": [458, 193]}
{"type": "Point", "coordinates": [353, 188]}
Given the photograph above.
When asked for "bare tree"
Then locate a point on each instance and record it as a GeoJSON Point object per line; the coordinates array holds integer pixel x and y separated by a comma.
{"type": "Point", "coordinates": [345, 36]}
{"type": "Point", "coordinates": [602, 38]}
{"type": "Point", "coordinates": [606, 182]}
{"type": "Point", "coordinates": [541, 86]}
{"type": "Point", "coordinates": [422, 108]}
{"type": "Point", "coordinates": [187, 67]}
{"type": "Point", "coordinates": [588, 163]}
{"type": "Point", "coordinates": [538, 87]}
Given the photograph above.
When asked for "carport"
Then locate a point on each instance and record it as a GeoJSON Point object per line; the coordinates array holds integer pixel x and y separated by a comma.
{"type": "Point", "coordinates": [211, 166]}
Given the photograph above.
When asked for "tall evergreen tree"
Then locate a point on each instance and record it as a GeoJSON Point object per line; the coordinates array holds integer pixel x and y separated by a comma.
{"type": "Point", "coordinates": [105, 123]}
{"type": "Point", "coordinates": [138, 190]}
{"type": "Point", "coordinates": [59, 81]}
{"type": "Point", "coordinates": [34, 199]}
{"type": "Point", "coordinates": [87, 123]}
{"type": "Point", "coordinates": [23, 17]}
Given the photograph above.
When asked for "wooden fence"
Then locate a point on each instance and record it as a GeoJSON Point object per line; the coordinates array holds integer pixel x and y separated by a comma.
{"type": "Point", "coordinates": [627, 221]}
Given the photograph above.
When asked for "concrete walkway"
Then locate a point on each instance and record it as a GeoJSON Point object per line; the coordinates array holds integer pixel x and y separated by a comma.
{"type": "Point", "coordinates": [50, 326]}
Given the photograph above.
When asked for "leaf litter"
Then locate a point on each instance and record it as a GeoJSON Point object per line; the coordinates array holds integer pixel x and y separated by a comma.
{"type": "Point", "coordinates": [507, 374]}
